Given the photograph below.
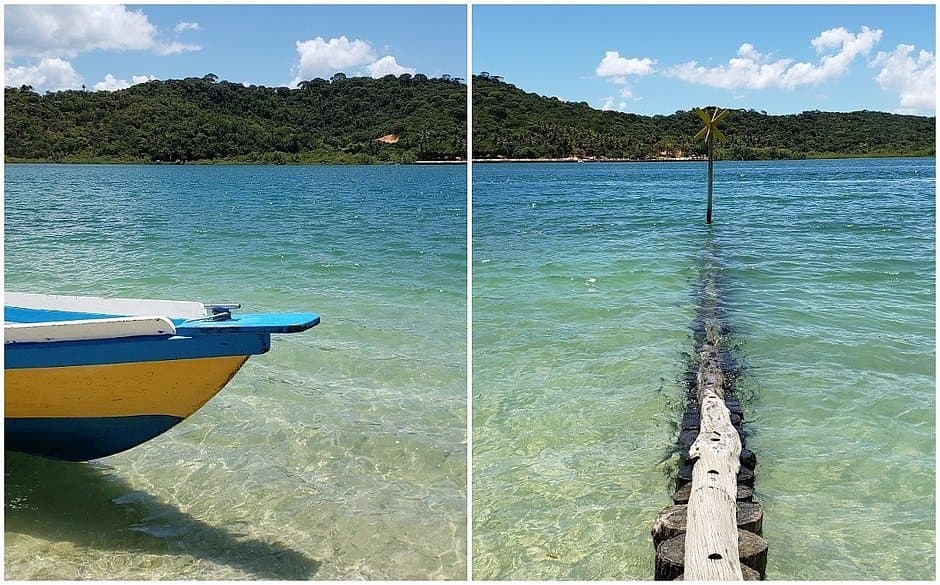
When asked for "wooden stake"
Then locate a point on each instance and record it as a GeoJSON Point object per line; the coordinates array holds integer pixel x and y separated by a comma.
{"type": "Point", "coordinates": [708, 205]}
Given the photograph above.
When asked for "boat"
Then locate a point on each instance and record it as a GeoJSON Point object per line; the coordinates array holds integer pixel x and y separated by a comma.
{"type": "Point", "coordinates": [88, 377]}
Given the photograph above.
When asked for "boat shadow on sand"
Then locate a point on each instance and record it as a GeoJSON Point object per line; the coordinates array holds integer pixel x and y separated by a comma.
{"type": "Point", "coordinates": [89, 506]}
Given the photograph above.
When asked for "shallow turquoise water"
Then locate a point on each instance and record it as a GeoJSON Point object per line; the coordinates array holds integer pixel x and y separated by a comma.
{"type": "Point", "coordinates": [584, 292]}
{"type": "Point", "coordinates": [339, 454]}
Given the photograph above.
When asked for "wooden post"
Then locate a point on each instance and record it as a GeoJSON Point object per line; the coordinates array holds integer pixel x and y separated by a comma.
{"type": "Point", "coordinates": [708, 204]}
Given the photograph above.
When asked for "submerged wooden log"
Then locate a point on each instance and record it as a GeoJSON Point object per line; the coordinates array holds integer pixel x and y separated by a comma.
{"type": "Point", "coordinates": [750, 517]}
{"type": "Point", "coordinates": [748, 459]}
{"type": "Point", "coordinates": [745, 477]}
{"type": "Point", "coordinates": [744, 494]}
{"type": "Point", "coordinates": [671, 554]}
{"type": "Point", "coordinates": [712, 533]}
{"type": "Point", "coordinates": [672, 521]}
{"type": "Point", "coordinates": [752, 550]}
{"type": "Point", "coordinates": [670, 557]}
{"type": "Point", "coordinates": [749, 574]}
{"type": "Point", "coordinates": [711, 551]}
{"type": "Point", "coordinates": [711, 543]}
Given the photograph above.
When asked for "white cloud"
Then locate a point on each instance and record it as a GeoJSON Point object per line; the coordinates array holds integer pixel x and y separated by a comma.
{"type": "Point", "coordinates": [831, 39]}
{"type": "Point", "coordinates": [184, 26]}
{"type": "Point", "coordinates": [110, 83]}
{"type": "Point", "coordinates": [848, 46]}
{"type": "Point", "coordinates": [749, 69]}
{"type": "Point", "coordinates": [67, 30]}
{"type": "Point", "coordinates": [609, 103]}
{"type": "Point", "coordinates": [914, 80]}
{"type": "Point", "coordinates": [50, 74]}
{"type": "Point", "coordinates": [618, 105]}
{"type": "Point", "coordinates": [754, 70]}
{"type": "Point", "coordinates": [318, 58]}
{"type": "Point", "coordinates": [388, 66]}
{"type": "Point", "coordinates": [322, 58]}
{"type": "Point", "coordinates": [617, 67]}
{"type": "Point", "coordinates": [175, 47]}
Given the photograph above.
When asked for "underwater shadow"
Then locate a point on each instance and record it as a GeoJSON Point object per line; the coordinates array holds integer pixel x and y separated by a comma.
{"type": "Point", "coordinates": [86, 504]}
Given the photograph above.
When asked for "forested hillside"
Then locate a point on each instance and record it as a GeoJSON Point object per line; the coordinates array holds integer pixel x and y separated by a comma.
{"type": "Point", "coordinates": [353, 120]}
{"type": "Point", "coordinates": [510, 123]}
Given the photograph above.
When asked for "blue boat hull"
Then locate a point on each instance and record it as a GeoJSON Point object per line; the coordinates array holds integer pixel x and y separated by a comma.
{"type": "Point", "coordinates": [81, 439]}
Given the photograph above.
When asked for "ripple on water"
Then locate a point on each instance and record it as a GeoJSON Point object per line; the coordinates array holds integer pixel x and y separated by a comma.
{"type": "Point", "coordinates": [340, 454]}
{"type": "Point", "coordinates": [827, 269]}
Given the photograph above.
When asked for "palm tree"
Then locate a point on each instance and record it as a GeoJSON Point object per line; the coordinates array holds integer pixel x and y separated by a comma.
{"type": "Point", "coordinates": [709, 133]}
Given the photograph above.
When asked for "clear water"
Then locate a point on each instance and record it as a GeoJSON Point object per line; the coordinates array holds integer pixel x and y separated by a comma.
{"type": "Point", "coordinates": [584, 290]}
{"type": "Point", "coordinates": [341, 453]}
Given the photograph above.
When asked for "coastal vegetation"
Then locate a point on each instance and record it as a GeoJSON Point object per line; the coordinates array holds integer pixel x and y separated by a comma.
{"type": "Point", "coordinates": [511, 123]}
{"type": "Point", "coordinates": [341, 120]}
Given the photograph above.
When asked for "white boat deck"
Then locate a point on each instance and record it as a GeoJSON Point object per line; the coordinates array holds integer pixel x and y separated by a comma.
{"type": "Point", "coordinates": [107, 306]}
{"type": "Point", "coordinates": [111, 328]}
{"type": "Point", "coordinates": [134, 318]}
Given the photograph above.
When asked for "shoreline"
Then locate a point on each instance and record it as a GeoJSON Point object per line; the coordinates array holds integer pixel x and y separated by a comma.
{"type": "Point", "coordinates": [207, 163]}
{"type": "Point", "coordinates": [586, 160]}
{"type": "Point", "coordinates": [688, 159]}
{"type": "Point", "coordinates": [569, 160]}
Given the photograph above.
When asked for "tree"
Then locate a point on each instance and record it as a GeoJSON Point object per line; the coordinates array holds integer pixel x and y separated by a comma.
{"type": "Point", "coordinates": [195, 119]}
{"type": "Point", "coordinates": [709, 133]}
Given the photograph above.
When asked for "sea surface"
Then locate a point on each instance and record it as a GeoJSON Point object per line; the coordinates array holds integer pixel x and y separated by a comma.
{"type": "Point", "coordinates": [341, 454]}
{"type": "Point", "coordinates": [585, 285]}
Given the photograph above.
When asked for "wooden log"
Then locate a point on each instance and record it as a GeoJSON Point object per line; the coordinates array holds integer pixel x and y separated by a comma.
{"type": "Point", "coordinates": [672, 521]}
{"type": "Point", "coordinates": [670, 556]}
{"type": "Point", "coordinates": [734, 407]}
{"type": "Point", "coordinates": [745, 477]}
{"type": "Point", "coordinates": [669, 523]}
{"type": "Point", "coordinates": [684, 476]}
{"type": "Point", "coordinates": [711, 551]}
{"type": "Point", "coordinates": [690, 420]}
{"type": "Point", "coordinates": [750, 517]}
{"type": "Point", "coordinates": [714, 486]}
{"type": "Point", "coordinates": [744, 494]}
{"type": "Point", "coordinates": [749, 574]}
{"type": "Point", "coordinates": [753, 551]}
{"type": "Point", "coordinates": [686, 438]}
{"type": "Point", "coordinates": [748, 459]}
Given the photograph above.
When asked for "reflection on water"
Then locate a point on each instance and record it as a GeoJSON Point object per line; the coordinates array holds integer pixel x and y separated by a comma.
{"type": "Point", "coordinates": [91, 507]}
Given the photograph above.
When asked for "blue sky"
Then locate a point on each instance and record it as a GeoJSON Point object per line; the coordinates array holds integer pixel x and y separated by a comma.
{"type": "Point", "coordinates": [659, 59]}
{"type": "Point", "coordinates": [113, 46]}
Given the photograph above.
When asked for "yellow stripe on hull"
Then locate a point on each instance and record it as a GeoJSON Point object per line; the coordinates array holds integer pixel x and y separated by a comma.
{"type": "Point", "coordinates": [171, 387]}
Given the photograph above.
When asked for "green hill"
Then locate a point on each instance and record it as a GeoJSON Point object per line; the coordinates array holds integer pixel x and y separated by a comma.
{"type": "Point", "coordinates": [510, 123]}
{"type": "Point", "coordinates": [202, 119]}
